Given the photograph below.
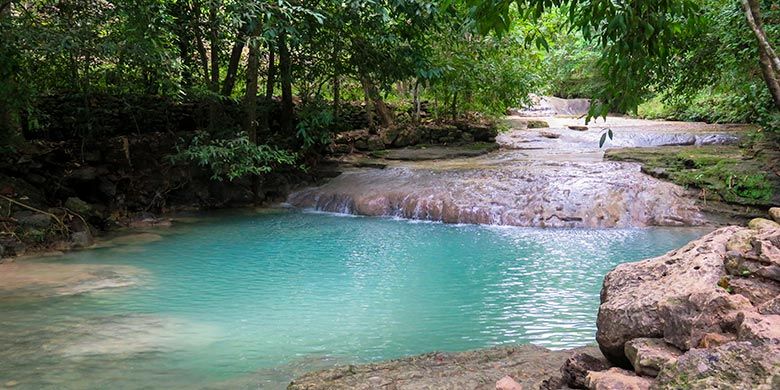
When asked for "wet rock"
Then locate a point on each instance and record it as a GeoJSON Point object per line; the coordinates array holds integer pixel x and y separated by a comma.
{"type": "Point", "coordinates": [648, 356]}
{"type": "Point", "coordinates": [578, 128]}
{"type": "Point", "coordinates": [32, 219]}
{"type": "Point", "coordinates": [148, 220]}
{"type": "Point", "coordinates": [528, 365]}
{"type": "Point", "coordinates": [675, 296]}
{"type": "Point", "coordinates": [78, 206]}
{"type": "Point", "coordinates": [576, 368]}
{"type": "Point", "coordinates": [507, 383]}
{"type": "Point", "coordinates": [763, 224]}
{"type": "Point", "coordinates": [82, 239]}
{"type": "Point", "coordinates": [84, 174]}
{"type": "Point", "coordinates": [774, 212]}
{"type": "Point", "coordinates": [537, 124]}
{"type": "Point", "coordinates": [735, 365]}
{"type": "Point", "coordinates": [548, 134]}
{"type": "Point", "coordinates": [389, 135]}
{"type": "Point", "coordinates": [374, 142]}
{"type": "Point", "coordinates": [407, 137]}
{"type": "Point", "coordinates": [617, 379]}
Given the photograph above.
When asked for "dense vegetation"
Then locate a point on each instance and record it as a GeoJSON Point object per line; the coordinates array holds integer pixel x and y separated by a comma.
{"type": "Point", "coordinates": [290, 67]}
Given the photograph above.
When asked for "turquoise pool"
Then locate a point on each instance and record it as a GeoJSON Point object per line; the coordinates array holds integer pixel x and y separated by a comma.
{"type": "Point", "coordinates": [248, 301]}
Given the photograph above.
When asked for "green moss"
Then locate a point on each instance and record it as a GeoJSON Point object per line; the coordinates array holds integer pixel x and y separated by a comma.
{"type": "Point", "coordinates": [725, 173]}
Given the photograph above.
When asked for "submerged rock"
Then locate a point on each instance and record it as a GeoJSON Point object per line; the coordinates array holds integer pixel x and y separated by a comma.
{"type": "Point", "coordinates": [527, 365]}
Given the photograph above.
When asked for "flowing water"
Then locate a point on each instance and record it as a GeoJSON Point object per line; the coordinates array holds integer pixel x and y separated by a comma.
{"type": "Point", "coordinates": [248, 301]}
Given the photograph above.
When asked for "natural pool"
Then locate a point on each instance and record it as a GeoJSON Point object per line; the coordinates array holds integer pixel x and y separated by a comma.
{"type": "Point", "coordinates": [248, 301]}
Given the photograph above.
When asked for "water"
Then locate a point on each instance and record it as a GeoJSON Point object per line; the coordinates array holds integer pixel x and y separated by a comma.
{"type": "Point", "coordinates": [247, 301]}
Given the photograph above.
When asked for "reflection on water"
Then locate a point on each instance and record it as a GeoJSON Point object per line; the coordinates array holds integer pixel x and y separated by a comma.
{"type": "Point", "coordinates": [248, 301]}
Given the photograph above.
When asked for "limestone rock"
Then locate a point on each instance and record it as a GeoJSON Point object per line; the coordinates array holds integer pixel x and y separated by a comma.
{"type": "Point", "coordinates": [507, 383]}
{"type": "Point", "coordinates": [549, 134]}
{"type": "Point", "coordinates": [774, 212]}
{"type": "Point", "coordinates": [82, 239]}
{"type": "Point", "coordinates": [735, 365]}
{"type": "Point", "coordinates": [648, 356]}
{"type": "Point", "coordinates": [578, 128]}
{"type": "Point", "coordinates": [617, 379]}
{"type": "Point", "coordinates": [32, 219]}
{"type": "Point", "coordinates": [576, 368]}
{"type": "Point", "coordinates": [78, 206]}
{"type": "Point", "coordinates": [675, 296]}
{"type": "Point", "coordinates": [762, 224]}
{"type": "Point", "coordinates": [771, 306]}
{"type": "Point", "coordinates": [537, 124]}
{"type": "Point", "coordinates": [757, 290]}
{"type": "Point", "coordinates": [758, 328]}
{"type": "Point", "coordinates": [712, 340]}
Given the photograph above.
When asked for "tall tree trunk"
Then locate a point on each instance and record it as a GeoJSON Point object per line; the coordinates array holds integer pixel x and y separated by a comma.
{"type": "Point", "coordinates": [9, 125]}
{"type": "Point", "coordinates": [379, 107]}
{"type": "Point", "coordinates": [214, 56]}
{"type": "Point", "coordinates": [768, 59]}
{"type": "Point", "coordinates": [232, 69]}
{"type": "Point", "coordinates": [336, 81]}
{"type": "Point", "coordinates": [285, 65]}
{"type": "Point", "coordinates": [269, 87]}
{"type": "Point", "coordinates": [183, 39]}
{"type": "Point", "coordinates": [368, 103]}
{"type": "Point", "coordinates": [416, 101]}
{"type": "Point", "coordinates": [250, 104]}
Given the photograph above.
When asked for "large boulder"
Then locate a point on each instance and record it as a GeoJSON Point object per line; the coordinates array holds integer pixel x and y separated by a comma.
{"type": "Point", "coordinates": [774, 212]}
{"type": "Point", "coordinates": [703, 316]}
{"type": "Point", "coordinates": [675, 297]}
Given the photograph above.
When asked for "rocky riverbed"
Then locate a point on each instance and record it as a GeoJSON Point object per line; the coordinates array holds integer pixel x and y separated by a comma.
{"type": "Point", "coordinates": [551, 176]}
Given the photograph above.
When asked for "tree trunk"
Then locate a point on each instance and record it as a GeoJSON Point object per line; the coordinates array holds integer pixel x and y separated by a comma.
{"type": "Point", "coordinates": [378, 104]}
{"type": "Point", "coordinates": [368, 103]}
{"type": "Point", "coordinates": [9, 125]}
{"type": "Point", "coordinates": [416, 101]}
{"type": "Point", "coordinates": [336, 82]}
{"type": "Point", "coordinates": [250, 105]}
{"type": "Point", "coordinates": [232, 69]}
{"type": "Point", "coordinates": [214, 60]}
{"type": "Point", "coordinates": [768, 59]}
{"type": "Point", "coordinates": [454, 105]}
{"type": "Point", "coordinates": [285, 65]}
{"type": "Point", "coordinates": [269, 88]}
